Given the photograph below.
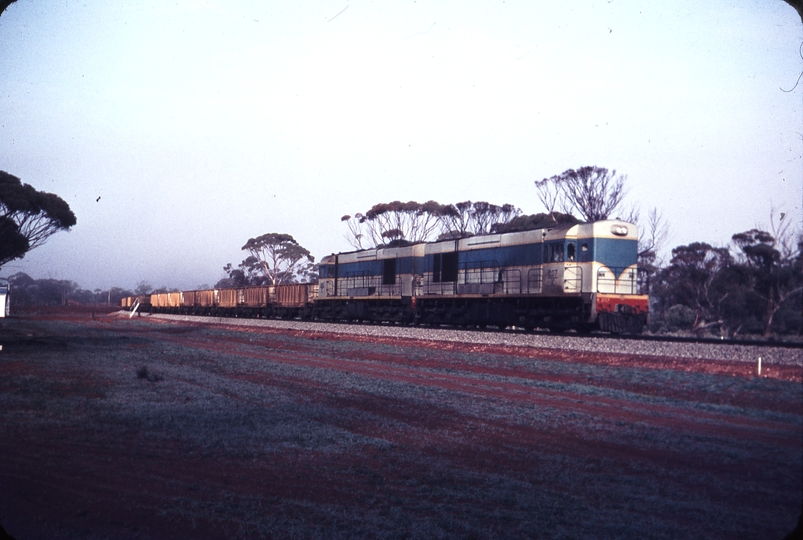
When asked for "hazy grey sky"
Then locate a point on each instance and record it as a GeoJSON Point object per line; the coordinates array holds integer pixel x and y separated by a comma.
{"type": "Point", "coordinates": [202, 124]}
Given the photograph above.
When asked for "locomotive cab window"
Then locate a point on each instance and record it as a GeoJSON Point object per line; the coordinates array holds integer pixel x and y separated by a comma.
{"type": "Point", "coordinates": [570, 252]}
{"type": "Point", "coordinates": [556, 253]}
{"type": "Point", "coordinates": [389, 272]}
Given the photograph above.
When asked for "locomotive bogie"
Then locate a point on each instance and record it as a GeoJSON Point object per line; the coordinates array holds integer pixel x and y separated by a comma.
{"type": "Point", "coordinates": [373, 309]}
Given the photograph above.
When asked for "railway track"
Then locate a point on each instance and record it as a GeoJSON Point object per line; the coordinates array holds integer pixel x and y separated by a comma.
{"type": "Point", "coordinates": [568, 333]}
{"type": "Point", "coordinates": [787, 353]}
{"type": "Point", "coordinates": [602, 335]}
{"type": "Point", "coordinates": [674, 339]}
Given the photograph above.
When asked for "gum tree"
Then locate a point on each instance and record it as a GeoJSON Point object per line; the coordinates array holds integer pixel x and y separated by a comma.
{"type": "Point", "coordinates": [696, 278]}
{"type": "Point", "coordinates": [412, 222]}
{"type": "Point", "coordinates": [278, 258]}
{"type": "Point", "coordinates": [470, 218]}
{"type": "Point", "coordinates": [592, 192]}
{"type": "Point", "coordinates": [387, 222]}
{"type": "Point", "coordinates": [775, 276]}
{"type": "Point", "coordinates": [28, 217]}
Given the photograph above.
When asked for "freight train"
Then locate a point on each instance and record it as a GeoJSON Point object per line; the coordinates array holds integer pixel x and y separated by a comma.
{"type": "Point", "coordinates": [580, 276]}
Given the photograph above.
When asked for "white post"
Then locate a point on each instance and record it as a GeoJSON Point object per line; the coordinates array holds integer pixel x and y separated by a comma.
{"type": "Point", "coordinates": [136, 305]}
{"type": "Point", "coordinates": [759, 366]}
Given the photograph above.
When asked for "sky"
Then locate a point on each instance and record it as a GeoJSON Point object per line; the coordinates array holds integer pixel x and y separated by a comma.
{"type": "Point", "coordinates": [178, 130]}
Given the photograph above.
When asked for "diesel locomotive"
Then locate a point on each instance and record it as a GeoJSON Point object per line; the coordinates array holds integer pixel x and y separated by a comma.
{"type": "Point", "coordinates": [580, 276]}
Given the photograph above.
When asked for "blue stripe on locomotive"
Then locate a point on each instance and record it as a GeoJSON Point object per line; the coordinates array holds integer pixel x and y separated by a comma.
{"type": "Point", "coordinates": [404, 265]}
{"type": "Point", "coordinates": [521, 255]}
{"type": "Point", "coordinates": [614, 253]}
{"type": "Point", "coordinates": [611, 252]}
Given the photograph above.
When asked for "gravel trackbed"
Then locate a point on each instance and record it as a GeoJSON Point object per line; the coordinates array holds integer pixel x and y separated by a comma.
{"type": "Point", "coordinates": [158, 428]}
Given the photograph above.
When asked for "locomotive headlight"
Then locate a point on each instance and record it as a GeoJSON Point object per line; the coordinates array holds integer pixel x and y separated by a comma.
{"type": "Point", "coordinates": [619, 230]}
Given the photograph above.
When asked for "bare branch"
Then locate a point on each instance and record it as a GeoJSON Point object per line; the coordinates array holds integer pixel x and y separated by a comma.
{"type": "Point", "coordinates": [593, 192]}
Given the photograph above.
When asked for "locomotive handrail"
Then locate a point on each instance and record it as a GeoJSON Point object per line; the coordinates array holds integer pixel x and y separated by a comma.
{"type": "Point", "coordinates": [609, 283]}
{"type": "Point", "coordinates": [371, 283]}
{"type": "Point", "coordinates": [480, 272]}
{"type": "Point", "coordinates": [535, 278]}
{"type": "Point", "coordinates": [511, 286]}
{"type": "Point", "coordinates": [440, 287]}
{"type": "Point", "coordinates": [576, 281]}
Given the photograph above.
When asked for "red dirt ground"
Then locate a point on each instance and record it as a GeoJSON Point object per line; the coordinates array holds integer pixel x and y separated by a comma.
{"type": "Point", "coordinates": [233, 432]}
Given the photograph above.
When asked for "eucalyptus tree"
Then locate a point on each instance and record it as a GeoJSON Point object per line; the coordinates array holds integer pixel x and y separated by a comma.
{"type": "Point", "coordinates": [471, 218]}
{"type": "Point", "coordinates": [697, 277]}
{"type": "Point", "coordinates": [411, 222]}
{"type": "Point", "coordinates": [774, 272]}
{"type": "Point", "coordinates": [393, 222]}
{"type": "Point", "coordinates": [28, 217]}
{"type": "Point", "coordinates": [278, 258]}
{"type": "Point", "coordinates": [593, 192]}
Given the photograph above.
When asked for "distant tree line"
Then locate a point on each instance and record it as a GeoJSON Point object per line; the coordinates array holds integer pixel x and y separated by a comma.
{"type": "Point", "coordinates": [752, 286]}
{"type": "Point", "coordinates": [29, 292]}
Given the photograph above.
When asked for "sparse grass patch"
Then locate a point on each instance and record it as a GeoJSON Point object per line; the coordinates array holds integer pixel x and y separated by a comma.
{"type": "Point", "coordinates": [272, 436]}
{"type": "Point", "coordinates": [143, 373]}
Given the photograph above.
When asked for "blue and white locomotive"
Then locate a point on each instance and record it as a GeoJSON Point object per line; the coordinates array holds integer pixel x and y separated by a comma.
{"type": "Point", "coordinates": [582, 276]}
{"type": "Point", "coordinates": [576, 276]}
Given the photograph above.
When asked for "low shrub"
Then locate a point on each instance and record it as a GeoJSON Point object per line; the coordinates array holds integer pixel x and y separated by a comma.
{"type": "Point", "coordinates": [143, 373]}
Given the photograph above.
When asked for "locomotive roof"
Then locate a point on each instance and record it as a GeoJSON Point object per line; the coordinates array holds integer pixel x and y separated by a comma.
{"type": "Point", "coordinates": [596, 229]}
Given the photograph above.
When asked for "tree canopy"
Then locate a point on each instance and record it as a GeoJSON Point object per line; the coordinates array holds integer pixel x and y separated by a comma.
{"type": "Point", "coordinates": [28, 217]}
{"type": "Point", "coordinates": [757, 289]}
{"type": "Point", "coordinates": [772, 276]}
{"type": "Point", "coordinates": [399, 223]}
{"type": "Point", "coordinates": [277, 258]}
{"type": "Point", "coordinates": [593, 192]}
{"type": "Point", "coordinates": [4, 5]}
{"type": "Point", "coordinates": [27, 291]}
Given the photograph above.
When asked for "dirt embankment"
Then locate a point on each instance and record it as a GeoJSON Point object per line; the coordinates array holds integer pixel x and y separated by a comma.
{"type": "Point", "coordinates": [117, 428]}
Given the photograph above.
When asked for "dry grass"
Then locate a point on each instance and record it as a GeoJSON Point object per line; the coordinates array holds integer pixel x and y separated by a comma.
{"type": "Point", "coordinates": [133, 429]}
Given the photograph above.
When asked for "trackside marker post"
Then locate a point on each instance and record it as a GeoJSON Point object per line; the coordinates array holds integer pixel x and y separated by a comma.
{"type": "Point", "coordinates": [136, 305]}
{"type": "Point", "coordinates": [759, 366]}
